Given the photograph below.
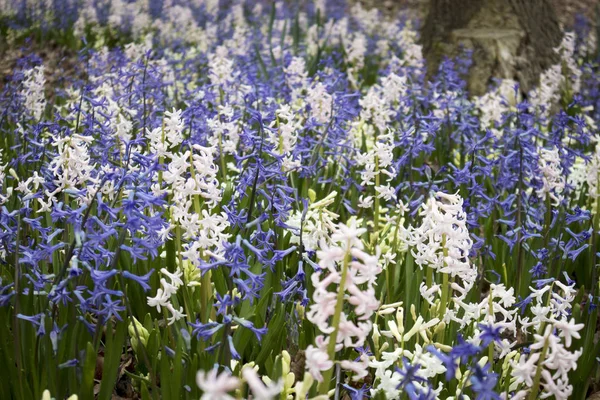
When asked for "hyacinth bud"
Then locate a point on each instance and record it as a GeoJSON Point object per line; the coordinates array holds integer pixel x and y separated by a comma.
{"type": "Point", "coordinates": [47, 396]}
{"type": "Point", "coordinates": [54, 341]}
{"type": "Point", "coordinates": [384, 347]}
{"type": "Point", "coordinates": [288, 377]}
{"type": "Point", "coordinates": [506, 364]}
{"type": "Point", "coordinates": [376, 336]}
{"type": "Point", "coordinates": [415, 329]}
{"type": "Point", "coordinates": [191, 274]}
{"type": "Point", "coordinates": [394, 330]}
{"type": "Point", "coordinates": [439, 329]}
{"type": "Point", "coordinates": [302, 387]}
{"type": "Point", "coordinates": [385, 311]}
{"type": "Point", "coordinates": [400, 319]}
{"type": "Point", "coordinates": [141, 331]}
{"type": "Point", "coordinates": [286, 362]}
{"type": "Point", "coordinates": [312, 196]}
{"type": "Point", "coordinates": [443, 347]}
{"type": "Point", "coordinates": [300, 311]}
{"type": "Point", "coordinates": [393, 306]}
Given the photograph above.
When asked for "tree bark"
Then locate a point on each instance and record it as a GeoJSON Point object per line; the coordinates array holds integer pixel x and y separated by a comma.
{"type": "Point", "coordinates": [526, 30]}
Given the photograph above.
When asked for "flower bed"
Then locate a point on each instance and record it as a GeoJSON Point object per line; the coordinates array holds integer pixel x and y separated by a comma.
{"type": "Point", "coordinates": [248, 200]}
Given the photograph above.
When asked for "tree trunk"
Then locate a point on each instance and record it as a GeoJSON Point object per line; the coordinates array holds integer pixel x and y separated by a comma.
{"type": "Point", "coordinates": [510, 39]}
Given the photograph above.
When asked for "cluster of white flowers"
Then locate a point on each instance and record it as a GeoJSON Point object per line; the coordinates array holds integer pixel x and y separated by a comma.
{"type": "Point", "coordinates": [164, 295]}
{"type": "Point", "coordinates": [283, 135]}
{"type": "Point", "coordinates": [225, 130]}
{"type": "Point", "coordinates": [355, 51]}
{"type": "Point", "coordinates": [238, 44]}
{"type": "Point", "coordinates": [585, 174]}
{"type": "Point", "coordinates": [318, 36]}
{"type": "Point", "coordinates": [494, 104]}
{"type": "Point", "coordinates": [353, 273]}
{"type": "Point", "coordinates": [394, 237]}
{"type": "Point", "coordinates": [549, 354]}
{"type": "Point", "coordinates": [442, 241]}
{"type": "Point", "coordinates": [178, 23]}
{"type": "Point", "coordinates": [4, 192]}
{"type": "Point", "coordinates": [396, 87]}
{"type": "Point", "coordinates": [577, 176]}
{"type": "Point", "coordinates": [71, 167]}
{"type": "Point", "coordinates": [497, 310]}
{"type": "Point", "coordinates": [204, 231]}
{"type": "Point", "coordinates": [221, 70]}
{"type": "Point", "coordinates": [320, 102]}
{"type": "Point", "coordinates": [556, 307]}
{"type": "Point", "coordinates": [23, 186]}
{"type": "Point", "coordinates": [367, 19]}
{"type": "Point", "coordinates": [376, 161]}
{"type": "Point", "coordinates": [117, 116]}
{"type": "Point", "coordinates": [376, 107]}
{"type": "Point", "coordinates": [413, 52]}
{"type": "Point", "coordinates": [552, 175]}
{"type": "Point", "coordinates": [387, 378]}
{"type": "Point", "coordinates": [88, 16]}
{"type": "Point", "coordinates": [548, 92]}
{"type": "Point", "coordinates": [565, 75]}
{"type": "Point", "coordinates": [33, 91]}
{"type": "Point", "coordinates": [572, 73]}
{"type": "Point", "coordinates": [592, 174]}
{"type": "Point", "coordinates": [374, 140]}
{"type": "Point", "coordinates": [217, 386]}
{"type": "Point", "coordinates": [318, 225]}
{"type": "Point", "coordinates": [137, 14]}
{"type": "Point", "coordinates": [296, 78]}
{"type": "Point", "coordinates": [588, 45]}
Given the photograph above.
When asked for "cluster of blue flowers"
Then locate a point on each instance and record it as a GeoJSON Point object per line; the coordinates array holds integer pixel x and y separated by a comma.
{"type": "Point", "coordinates": [249, 199]}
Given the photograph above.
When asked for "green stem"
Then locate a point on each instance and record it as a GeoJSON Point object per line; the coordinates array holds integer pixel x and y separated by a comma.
{"type": "Point", "coordinates": [445, 282]}
{"type": "Point", "coordinates": [491, 311]}
{"type": "Point", "coordinates": [519, 223]}
{"type": "Point", "coordinates": [533, 395]}
{"type": "Point", "coordinates": [594, 238]}
{"type": "Point", "coordinates": [376, 210]}
{"type": "Point", "coordinates": [16, 322]}
{"type": "Point", "coordinates": [324, 386]}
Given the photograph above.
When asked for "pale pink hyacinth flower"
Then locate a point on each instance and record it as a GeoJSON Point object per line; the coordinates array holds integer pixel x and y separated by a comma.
{"type": "Point", "coordinates": [260, 390]}
{"type": "Point", "coordinates": [361, 269]}
{"type": "Point", "coordinates": [216, 386]}
{"type": "Point", "coordinates": [317, 361]}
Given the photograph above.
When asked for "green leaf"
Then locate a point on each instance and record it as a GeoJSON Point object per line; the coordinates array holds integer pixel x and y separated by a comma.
{"type": "Point", "coordinates": [88, 372]}
{"type": "Point", "coordinates": [274, 335]}
{"type": "Point", "coordinates": [177, 372]}
{"type": "Point", "coordinates": [145, 392]}
{"type": "Point", "coordinates": [152, 347]}
{"type": "Point", "coordinates": [165, 375]}
{"type": "Point", "coordinates": [112, 358]}
{"type": "Point", "coordinates": [261, 63]}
